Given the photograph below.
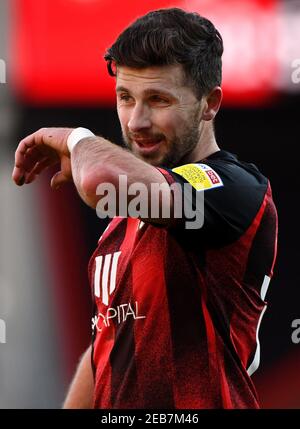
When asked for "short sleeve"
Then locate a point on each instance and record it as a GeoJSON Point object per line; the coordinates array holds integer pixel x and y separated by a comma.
{"type": "Point", "coordinates": [225, 194]}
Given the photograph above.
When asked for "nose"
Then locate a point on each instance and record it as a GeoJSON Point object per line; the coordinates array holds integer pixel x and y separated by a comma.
{"type": "Point", "coordinates": [139, 118]}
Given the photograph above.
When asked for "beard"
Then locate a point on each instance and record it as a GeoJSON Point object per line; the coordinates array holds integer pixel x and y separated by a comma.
{"type": "Point", "coordinates": [174, 150]}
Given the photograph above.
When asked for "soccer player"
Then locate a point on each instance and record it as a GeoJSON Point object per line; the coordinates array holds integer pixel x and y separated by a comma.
{"type": "Point", "coordinates": [177, 306]}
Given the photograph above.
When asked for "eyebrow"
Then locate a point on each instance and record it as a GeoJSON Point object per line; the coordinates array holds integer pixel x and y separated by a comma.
{"type": "Point", "coordinates": [148, 91]}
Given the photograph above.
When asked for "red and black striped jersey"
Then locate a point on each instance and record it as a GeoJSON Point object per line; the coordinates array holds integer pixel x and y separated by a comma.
{"type": "Point", "coordinates": [177, 311]}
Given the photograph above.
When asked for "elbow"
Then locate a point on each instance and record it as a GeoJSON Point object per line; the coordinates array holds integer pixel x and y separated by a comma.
{"type": "Point", "coordinates": [91, 191]}
{"type": "Point", "coordinates": [87, 191]}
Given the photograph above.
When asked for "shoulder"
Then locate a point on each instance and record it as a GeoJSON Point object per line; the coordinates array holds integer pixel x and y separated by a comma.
{"type": "Point", "coordinates": [221, 165]}
{"type": "Point", "coordinates": [233, 193]}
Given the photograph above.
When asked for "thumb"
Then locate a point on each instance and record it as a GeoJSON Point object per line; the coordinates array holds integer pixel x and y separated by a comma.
{"type": "Point", "coordinates": [58, 179]}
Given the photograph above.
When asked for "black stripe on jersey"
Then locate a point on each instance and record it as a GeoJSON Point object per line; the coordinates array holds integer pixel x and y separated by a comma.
{"type": "Point", "coordinates": [123, 367]}
{"type": "Point", "coordinates": [187, 323]}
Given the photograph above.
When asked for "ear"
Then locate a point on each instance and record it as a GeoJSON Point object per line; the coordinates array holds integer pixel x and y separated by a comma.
{"type": "Point", "coordinates": [212, 104]}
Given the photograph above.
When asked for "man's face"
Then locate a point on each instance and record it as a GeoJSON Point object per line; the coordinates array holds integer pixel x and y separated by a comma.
{"type": "Point", "coordinates": [159, 114]}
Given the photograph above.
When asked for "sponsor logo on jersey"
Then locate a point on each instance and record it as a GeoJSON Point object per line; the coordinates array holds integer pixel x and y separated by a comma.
{"type": "Point", "coordinates": [105, 275]}
{"type": "Point", "coordinates": [116, 315]}
{"type": "Point", "coordinates": [104, 286]}
{"type": "Point", "coordinates": [200, 176]}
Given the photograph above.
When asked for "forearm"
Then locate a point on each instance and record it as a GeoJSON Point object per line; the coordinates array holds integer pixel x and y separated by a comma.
{"type": "Point", "coordinates": [95, 160]}
{"type": "Point", "coordinates": [81, 391]}
{"type": "Point", "coordinates": [89, 161]}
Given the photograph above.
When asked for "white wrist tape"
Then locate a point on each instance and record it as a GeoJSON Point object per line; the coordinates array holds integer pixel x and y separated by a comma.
{"type": "Point", "coordinates": [77, 135]}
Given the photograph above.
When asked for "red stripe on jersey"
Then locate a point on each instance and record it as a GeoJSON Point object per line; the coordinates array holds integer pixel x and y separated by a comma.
{"type": "Point", "coordinates": [103, 373]}
{"type": "Point", "coordinates": [250, 233]}
{"type": "Point", "coordinates": [149, 291]}
{"type": "Point", "coordinates": [103, 393]}
{"type": "Point", "coordinates": [122, 358]}
{"type": "Point", "coordinates": [270, 198]}
{"type": "Point", "coordinates": [169, 178]}
{"type": "Point", "coordinates": [241, 340]}
{"type": "Point", "coordinates": [130, 236]}
{"type": "Point", "coordinates": [225, 392]}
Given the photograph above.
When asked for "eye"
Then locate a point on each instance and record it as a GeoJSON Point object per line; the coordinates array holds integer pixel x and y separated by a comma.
{"type": "Point", "coordinates": [157, 99]}
{"type": "Point", "coordinates": [125, 97]}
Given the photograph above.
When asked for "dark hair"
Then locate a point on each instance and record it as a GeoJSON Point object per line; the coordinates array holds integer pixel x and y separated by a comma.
{"type": "Point", "coordinates": [169, 37]}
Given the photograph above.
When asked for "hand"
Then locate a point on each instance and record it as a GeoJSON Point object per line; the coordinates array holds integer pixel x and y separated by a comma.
{"type": "Point", "coordinates": [40, 150]}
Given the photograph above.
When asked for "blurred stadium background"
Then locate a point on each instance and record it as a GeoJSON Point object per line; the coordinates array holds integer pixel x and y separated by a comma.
{"type": "Point", "coordinates": [53, 74]}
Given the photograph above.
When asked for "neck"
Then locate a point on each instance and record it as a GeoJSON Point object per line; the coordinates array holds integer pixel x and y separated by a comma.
{"type": "Point", "coordinates": [207, 144]}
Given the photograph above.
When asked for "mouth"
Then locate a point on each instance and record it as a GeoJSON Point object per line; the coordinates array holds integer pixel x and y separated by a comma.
{"type": "Point", "coordinates": [148, 146]}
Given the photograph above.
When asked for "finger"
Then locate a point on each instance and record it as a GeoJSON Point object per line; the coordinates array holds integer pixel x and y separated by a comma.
{"type": "Point", "coordinates": [26, 159]}
{"type": "Point", "coordinates": [18, 174]}
{"type": "Point", "coordinates": [59, 179]}
{"type": "Point", "coordinates": [20, 181]}
{"type": "Point", "coordinates": [23, 147]}
{"type": "Point", "coordinates": [37, 169]}
{"type": "Point", "coordinates": [25, 163]}
{"type": "Point", "coordinates": [29, 159]}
